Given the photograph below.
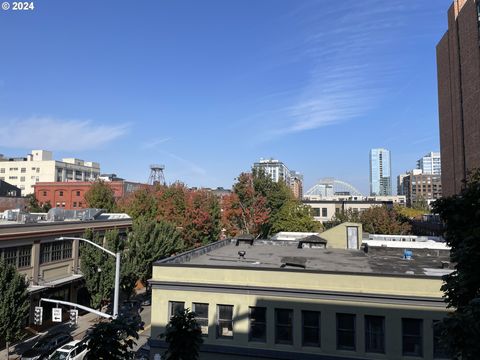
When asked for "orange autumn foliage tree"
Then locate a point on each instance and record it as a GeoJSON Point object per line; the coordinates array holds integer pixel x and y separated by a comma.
{"type": "Point", "coordinates": [195, 213]}
{"type": "Point", "coordinates": [244, 210]}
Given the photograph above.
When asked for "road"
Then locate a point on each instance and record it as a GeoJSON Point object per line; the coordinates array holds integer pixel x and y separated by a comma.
{"type": "Point", "coordinates": [78, 332]}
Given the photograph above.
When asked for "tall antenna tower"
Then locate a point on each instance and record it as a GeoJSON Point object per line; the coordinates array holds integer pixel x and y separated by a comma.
{"type": "Point", "coordinates": [156, 174]}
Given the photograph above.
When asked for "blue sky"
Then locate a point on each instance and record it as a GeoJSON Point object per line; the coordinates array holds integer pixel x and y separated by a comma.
{"type": "Point", "coordinates": [209, 87]}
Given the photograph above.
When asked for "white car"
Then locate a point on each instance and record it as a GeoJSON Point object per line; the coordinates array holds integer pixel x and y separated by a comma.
{"type": "Point", "coordinates": [75, 350]}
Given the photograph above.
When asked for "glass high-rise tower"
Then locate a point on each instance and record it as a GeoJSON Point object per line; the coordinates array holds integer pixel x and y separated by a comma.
{"type": "Point", "coordinates": [380, 172]}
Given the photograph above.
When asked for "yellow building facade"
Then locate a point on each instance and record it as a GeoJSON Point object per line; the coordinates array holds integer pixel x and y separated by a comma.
{"type": "Point", "coordinates": [279, 301]}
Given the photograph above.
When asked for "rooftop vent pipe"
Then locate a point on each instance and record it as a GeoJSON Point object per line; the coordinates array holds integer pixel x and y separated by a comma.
{"type": "Point", "coordinates": [407, 255]}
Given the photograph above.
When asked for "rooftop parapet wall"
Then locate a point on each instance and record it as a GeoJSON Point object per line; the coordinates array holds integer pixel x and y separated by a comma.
{"type": "Point", "coordinates": [286, 279]}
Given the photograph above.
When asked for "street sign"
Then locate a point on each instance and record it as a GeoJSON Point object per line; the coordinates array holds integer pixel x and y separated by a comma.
{"type": "Point", "coordinates": [57, 315]}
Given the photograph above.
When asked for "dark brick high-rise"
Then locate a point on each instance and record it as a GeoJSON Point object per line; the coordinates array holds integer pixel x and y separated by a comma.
{"type": "Point", "coordinates": [458, 67]}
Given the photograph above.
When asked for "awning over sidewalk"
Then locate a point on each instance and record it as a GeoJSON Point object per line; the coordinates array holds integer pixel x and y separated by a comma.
{"type": "Point", "coordinates": [51, 284]}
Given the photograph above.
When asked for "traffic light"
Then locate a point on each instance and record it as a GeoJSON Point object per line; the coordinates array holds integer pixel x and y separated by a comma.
{"type": "Point", "coordinates": [38, 316]}
{"type": "Point", "coordinates": [73, 317]}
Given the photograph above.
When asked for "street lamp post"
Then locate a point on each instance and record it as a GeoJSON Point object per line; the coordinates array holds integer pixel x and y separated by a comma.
{"type": "Point", "coordinates": [117, 270]}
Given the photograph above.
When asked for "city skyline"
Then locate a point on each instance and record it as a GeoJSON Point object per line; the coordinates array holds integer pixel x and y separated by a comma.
{"type": "Point", "coordinates": [165, 83]}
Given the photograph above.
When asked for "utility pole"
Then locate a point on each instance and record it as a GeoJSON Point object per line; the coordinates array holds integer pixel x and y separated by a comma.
{"type": "Point", "coordinates": [117, 270]}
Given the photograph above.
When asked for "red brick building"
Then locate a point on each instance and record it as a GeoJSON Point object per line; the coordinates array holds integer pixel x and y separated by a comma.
{"type": "Point", "coordinates": [458, 68]}
{"type": "Point", "coordinates": [71, 195]}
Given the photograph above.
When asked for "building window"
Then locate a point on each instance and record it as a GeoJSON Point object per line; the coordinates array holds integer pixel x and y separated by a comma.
{"type": "Point", "coordinates": [24, 256]}
{"type": "Point", "coordinates": [283, 326]}
{"type": "Point", "coordinates": [2, 170]}
{"type": "Point", "coordinates": [311, 328]}
{"type": "Point", "coordinates": [412, 330]}
{"type": "Point", "coordinates": [324, 212]}
{"type": "Point", "coordinates": [74, 204]}
{"type": "Point", "coordinates": [175, 307]}
{"type": "Point", "coordinates": [439, 350]}
{"type": "Point", "coordinates": [38, 170]}
{"type": "Point", "coordinates": [10, 256]}
{"type": "Point", "coordinates": [67, 250]}
{"type": "Point", "coordinates": [45, 253]}
{"type": "Point", "coordinates": [23, 170]}
{"type": "Point", "coordinates": [56, 251]}
{"type": "Point", "coordinates": [22, 178]}
{"type": "Point", "coordinates": [78, 193]}
{"type": "Point", "coordinates": [201, 315]}
{"type": "Point", "coordinates": [258, 324]}
{"type": "Point", "coordinates": [225, 321]}
{"type": "Point", "coordinates": [375, 334]}
{"type": "Point", "coordinates": [60, 193]}
{"type": "Point", "coordinates": [346, 331]}
{"type": "Point", "coordinates": [316, 212]}
{"type": "Point", "coordinates": [44, 193]}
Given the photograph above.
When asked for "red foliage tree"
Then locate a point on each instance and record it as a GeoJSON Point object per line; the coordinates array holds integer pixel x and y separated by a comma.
{"type": "Point", "coordinates": [196, 213]}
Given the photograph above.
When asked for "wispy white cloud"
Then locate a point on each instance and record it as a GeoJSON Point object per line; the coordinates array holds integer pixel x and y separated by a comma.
{"type": "Point", "coordinates": [56, 134]}
{"type": "Point", "coordinates": [348, 49]}
{"type": "Point", "coordinates": [151, 144]}
{"type": "Point", "coordinates": [423, 140]}
{"type": "Point", "coordinates": [187, 165]}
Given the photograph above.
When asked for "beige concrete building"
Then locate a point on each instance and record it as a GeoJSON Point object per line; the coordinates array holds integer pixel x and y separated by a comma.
{"type": "Point", "coordinates": [39, 166]}
{"type": "Point", "coordinates": [324, 210]}
{"type": "Point", "coordinates": [282, 300]}
{"type": "Point", "coordinates": [51, 266]}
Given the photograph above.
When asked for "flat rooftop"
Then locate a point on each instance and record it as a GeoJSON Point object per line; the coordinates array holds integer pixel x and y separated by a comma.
{"type": "Point", "coordinates": [284, 255]}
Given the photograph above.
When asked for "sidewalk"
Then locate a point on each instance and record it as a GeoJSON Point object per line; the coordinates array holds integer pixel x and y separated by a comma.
{"type": "Point", "coordinates": [84, 322]}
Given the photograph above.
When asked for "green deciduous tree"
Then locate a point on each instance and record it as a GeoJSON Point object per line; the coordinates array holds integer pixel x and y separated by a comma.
{"type": "Point", "coordinates": [98, 267]}
{"type": "Point", "coordinates": [294, 216]}
{"type": "Point", "coordinates": [34, 206]}
{"type": "Point", "coordinates": [382, 220]}
{"type": "Point", "coordinates": [277, 194]}
{"type": "Point", "coordinates": [113, 340]}
{"type": "Point", "coordinates": [421, 204]}
{"type": "Point", "coordinates": [375, 220]}
{"type": "Point", "coordinates": [183, 336]}
{"type": "Point", "coordinates": [141, 202]}
{"type": "Point", "coordinates": [100, 196]}
{"type": "Point", "coordinates": [150, 241]}
{"type": "Point", "coordinates": [408, 213]}
{"type": "Point", "coordinates": [32, 203]}
{"type": "Point", "coordinates": [461, 215]}
{"type": "Point", "coordinates": [14, 303]}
